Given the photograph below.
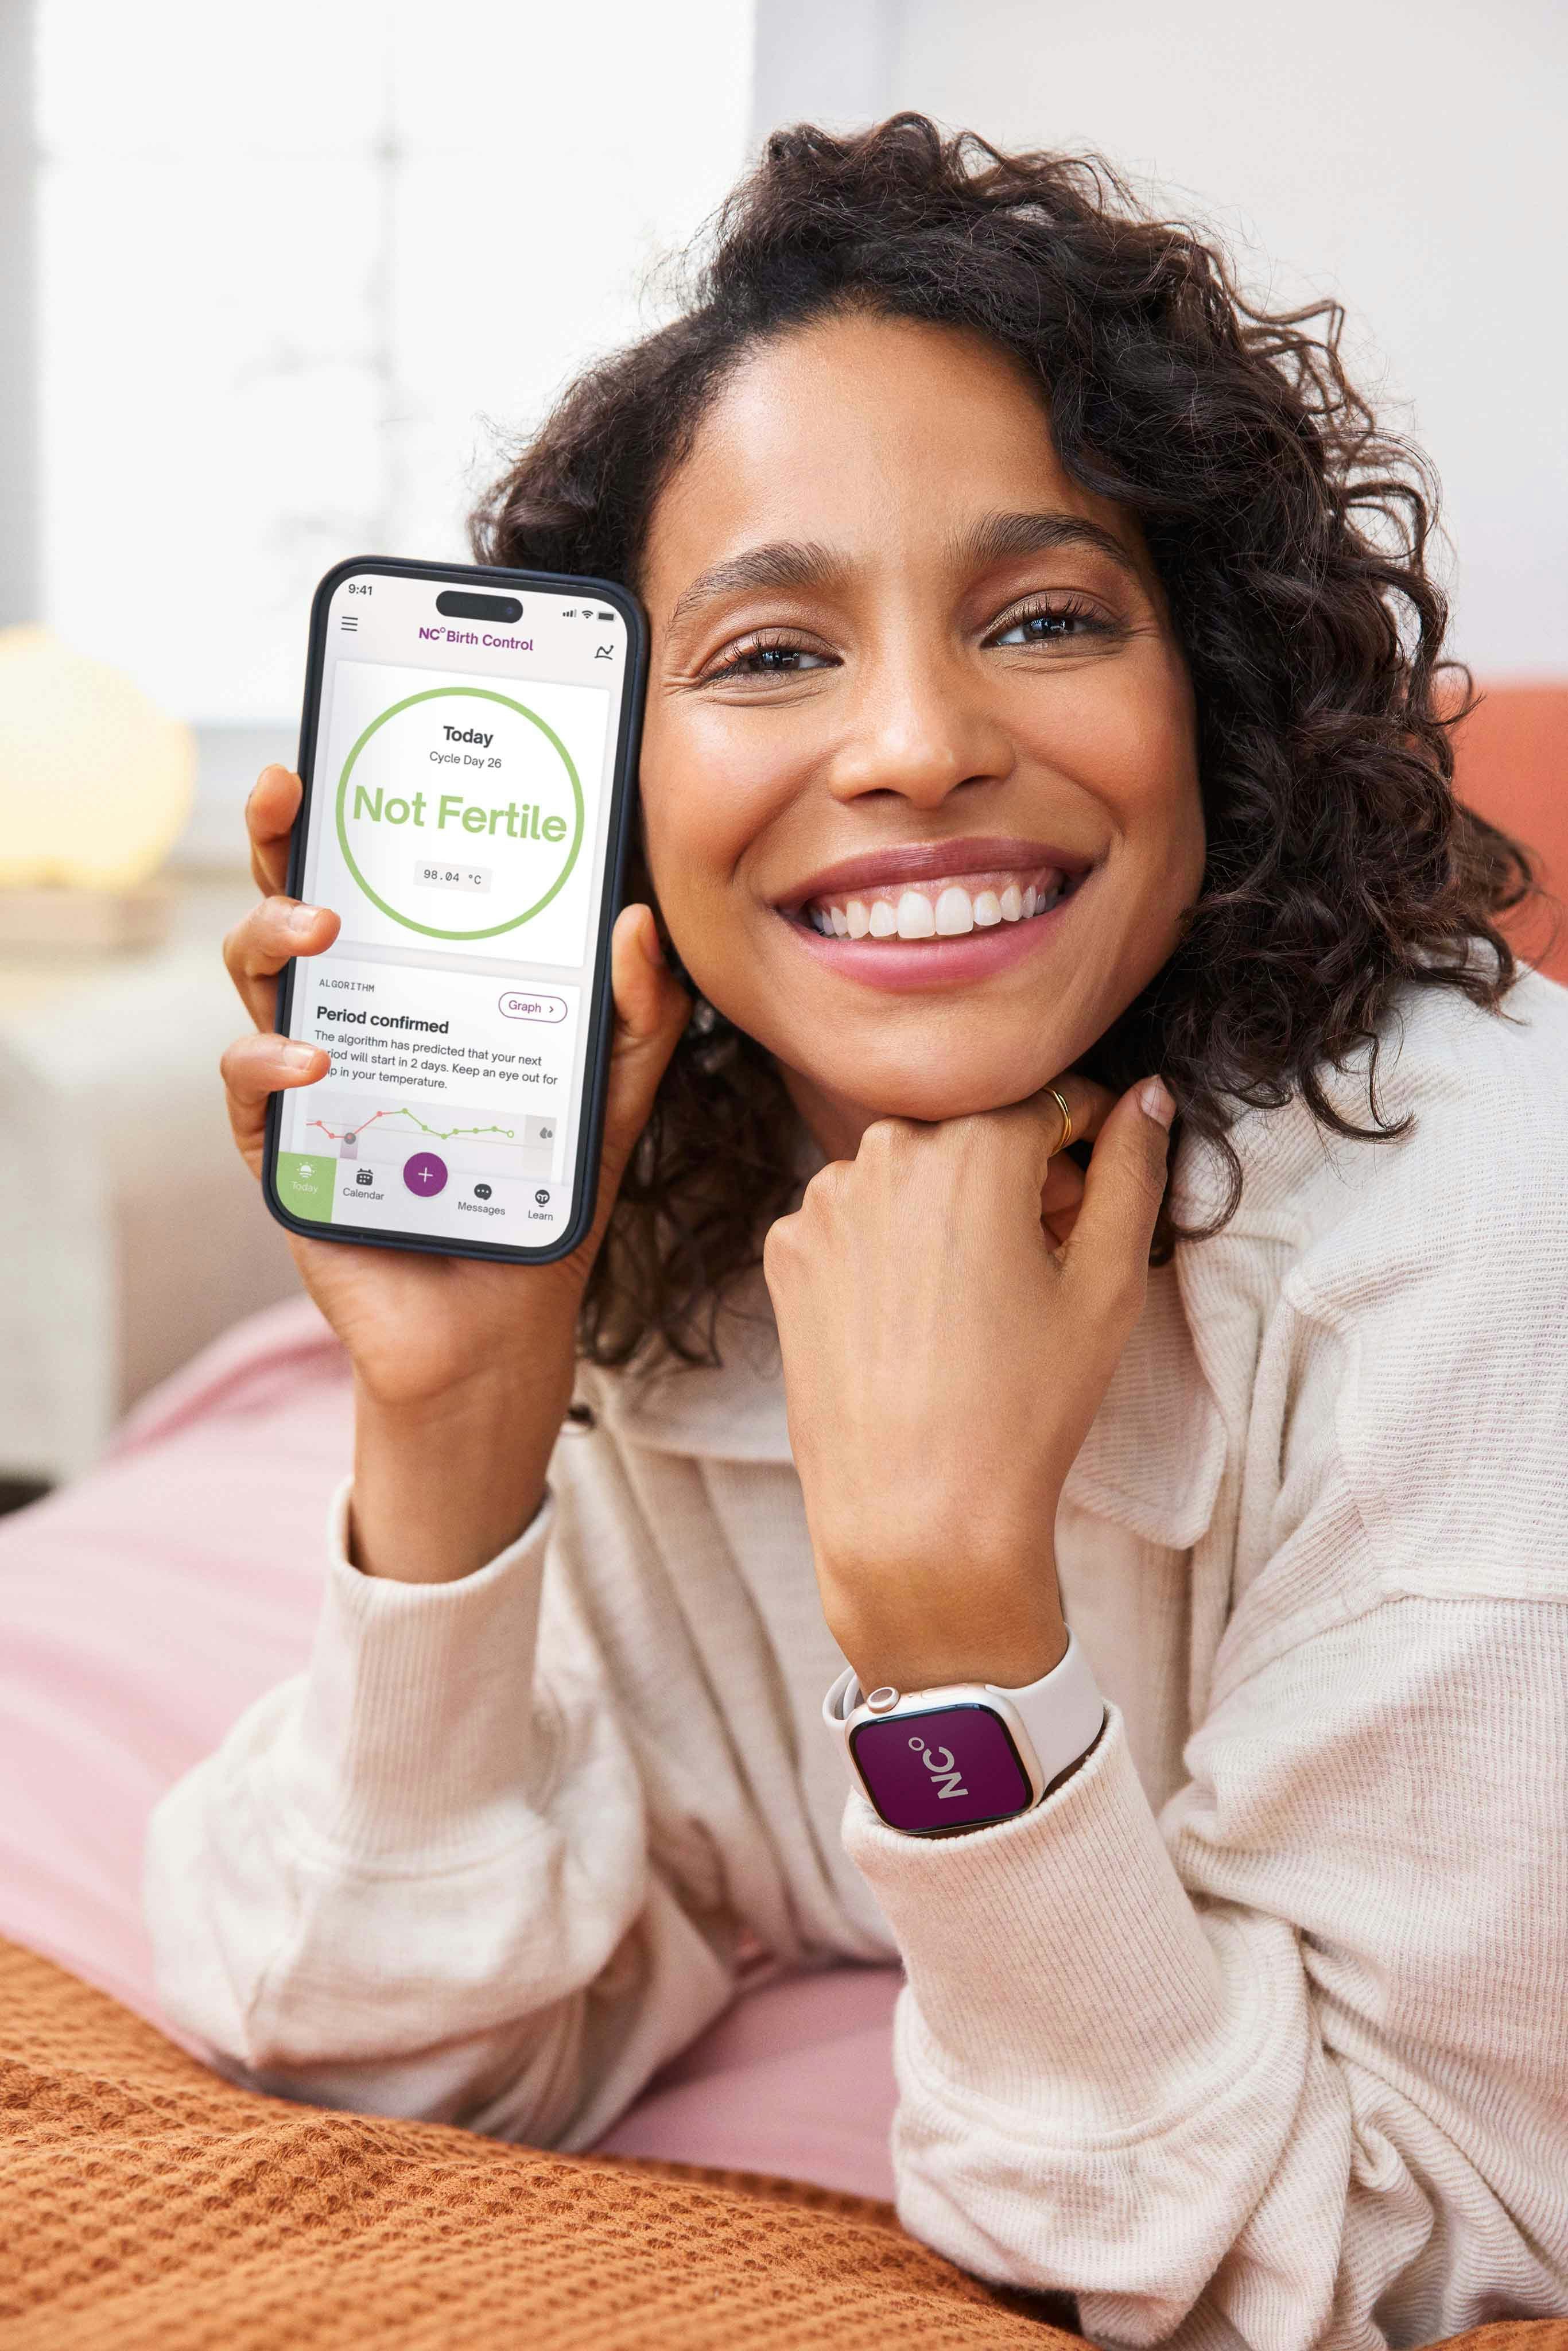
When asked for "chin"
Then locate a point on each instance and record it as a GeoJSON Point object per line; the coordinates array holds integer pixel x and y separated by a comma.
{"type": "Point", "coordinates": [938, 1087]}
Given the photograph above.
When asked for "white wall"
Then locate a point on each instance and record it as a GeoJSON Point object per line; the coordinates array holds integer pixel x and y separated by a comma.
{"type": "Point", "coordinates": [19, 387]}
{"type": "Point", "coordinates": [1403, 155]}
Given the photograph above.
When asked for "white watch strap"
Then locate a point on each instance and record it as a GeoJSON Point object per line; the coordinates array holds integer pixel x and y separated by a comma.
{"type": "Point", "coordinates": [1062, 1713]}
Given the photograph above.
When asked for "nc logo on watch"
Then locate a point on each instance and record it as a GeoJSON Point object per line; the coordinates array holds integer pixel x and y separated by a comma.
{"type": "Point", "coordinates": [947, 1771]}
{"type": "Point", "coordinates": [958, 1770]}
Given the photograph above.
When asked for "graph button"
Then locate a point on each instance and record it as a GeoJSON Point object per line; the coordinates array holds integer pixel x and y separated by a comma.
{"type": "Point", "coordinates": [424, 1174]}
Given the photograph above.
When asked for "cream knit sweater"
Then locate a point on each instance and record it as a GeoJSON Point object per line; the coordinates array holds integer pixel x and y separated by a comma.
{"type": "Point", "coordinates": [1255, 2033]}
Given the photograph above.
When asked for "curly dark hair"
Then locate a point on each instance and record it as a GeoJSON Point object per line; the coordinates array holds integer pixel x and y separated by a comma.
{"type": "Point", "coordinates": [1291, 537]}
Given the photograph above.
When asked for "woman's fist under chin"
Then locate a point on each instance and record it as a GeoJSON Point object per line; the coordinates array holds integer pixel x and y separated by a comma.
{"type": "Point", "coordinates": [944, 1352]}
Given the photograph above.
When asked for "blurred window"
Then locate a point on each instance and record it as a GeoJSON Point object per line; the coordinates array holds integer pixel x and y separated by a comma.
{"type": "Point", "coordinates": [301, 267]}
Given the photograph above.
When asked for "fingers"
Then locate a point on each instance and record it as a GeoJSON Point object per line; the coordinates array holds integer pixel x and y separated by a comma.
{"type": "Point", "coordinates": [254, 1067]}
{"type": "Point", "coordinates": [1089, 1105]}
{"type": "Point", "coordinates": [259, 946]}
{"type": "Point", "coordinates": [269, 815]}
{"type": "Point", "coordinates": [262, 942]}
{"type": "Point", "coordinates": [1036, 1126]}
{"type": "Point", "coordinates": [1060, 1197]}
{"type": "Point", "coordinates": [1108, 1252]}
{"type": "Point", "coordinates": [652, 1008]}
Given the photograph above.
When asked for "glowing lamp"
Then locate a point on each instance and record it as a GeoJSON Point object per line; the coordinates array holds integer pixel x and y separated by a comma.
{"type": "Point", "coordinates": [95, 780]}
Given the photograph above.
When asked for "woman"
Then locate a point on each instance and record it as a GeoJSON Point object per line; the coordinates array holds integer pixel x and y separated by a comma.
{"type": "Point", "coordinates": [1044, 735]}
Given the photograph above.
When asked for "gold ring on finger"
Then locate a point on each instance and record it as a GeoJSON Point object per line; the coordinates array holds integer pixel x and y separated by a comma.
{"type": "Point", "coordinates": [1066, 1136]}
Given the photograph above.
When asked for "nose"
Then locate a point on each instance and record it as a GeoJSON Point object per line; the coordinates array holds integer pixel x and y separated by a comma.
{"type": "Point", "coordinates": [920, 730]}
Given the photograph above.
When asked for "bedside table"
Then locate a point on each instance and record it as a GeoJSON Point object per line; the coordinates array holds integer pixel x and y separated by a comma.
{"type": "Point", "coordinates": [130, 1232]}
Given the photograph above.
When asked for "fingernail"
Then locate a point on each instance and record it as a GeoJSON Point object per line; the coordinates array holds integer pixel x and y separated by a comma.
{"type": "Point", "coordinates": [300, 1056]}
{"type": "Point", "coordinates": [1154, 1101]}
{"type": "Point", "coordinates": [302, 919]}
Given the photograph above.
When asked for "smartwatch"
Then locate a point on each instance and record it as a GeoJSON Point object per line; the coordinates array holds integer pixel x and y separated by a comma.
{"type": "Point", "coordinates": [966, 1754]}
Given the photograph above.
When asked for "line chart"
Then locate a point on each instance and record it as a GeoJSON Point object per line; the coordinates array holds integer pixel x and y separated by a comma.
{"type": "Point", "coordinates": [445, 1133]}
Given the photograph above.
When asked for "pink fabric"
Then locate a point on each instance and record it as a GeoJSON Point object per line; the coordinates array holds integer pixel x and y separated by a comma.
{"type": "Point", "coordinates": [144, 1608]}
{"type": "Point", "coordinates": [797, 2079]}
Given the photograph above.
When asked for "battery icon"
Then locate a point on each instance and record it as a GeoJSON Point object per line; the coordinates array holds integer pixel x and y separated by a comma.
{"type": "Point", "coordinates": [607, 616]}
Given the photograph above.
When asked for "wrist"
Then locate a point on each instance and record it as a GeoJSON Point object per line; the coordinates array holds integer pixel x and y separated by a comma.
{"type": "Point", "coordinates": [443, 1484]}
{"type": "Point", "coordinates": [909, 1641]}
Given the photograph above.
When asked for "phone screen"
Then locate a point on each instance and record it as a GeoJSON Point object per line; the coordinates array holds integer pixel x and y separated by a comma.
{"type": "Point", "coordinates": [461, 810]}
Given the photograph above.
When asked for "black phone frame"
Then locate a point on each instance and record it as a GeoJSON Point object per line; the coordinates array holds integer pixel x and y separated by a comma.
{"type": "Point", "coordinates": [622, 815]}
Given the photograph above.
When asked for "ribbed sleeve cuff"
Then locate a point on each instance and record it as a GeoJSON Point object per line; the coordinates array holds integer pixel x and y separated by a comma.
{"type": "Point", "coordinates": [419, 1705]}
{"type": "Point", "coordinates": [1056, 1960]}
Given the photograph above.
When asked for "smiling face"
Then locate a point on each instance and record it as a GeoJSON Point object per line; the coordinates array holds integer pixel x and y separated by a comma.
{"type": "Point", "coordinates": [919, 772]}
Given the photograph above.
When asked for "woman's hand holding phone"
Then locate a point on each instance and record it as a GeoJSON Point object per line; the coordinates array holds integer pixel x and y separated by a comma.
{"type": "Point", "coordinates": [951, 1305]}
{"type": "Point", "coordinates": [462, 1368]}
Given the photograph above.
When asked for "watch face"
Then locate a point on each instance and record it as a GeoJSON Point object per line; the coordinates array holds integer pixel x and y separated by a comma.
{"type": "Point", "coordinates": [954, 1768]}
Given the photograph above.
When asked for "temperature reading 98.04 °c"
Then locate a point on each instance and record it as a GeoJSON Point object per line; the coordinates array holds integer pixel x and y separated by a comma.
{"type": "Point", "coordinates": [471, 879]}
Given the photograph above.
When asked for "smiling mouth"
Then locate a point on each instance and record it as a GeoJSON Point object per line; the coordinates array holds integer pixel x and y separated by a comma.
{"type": "Point", "coordinates": [945, 907]}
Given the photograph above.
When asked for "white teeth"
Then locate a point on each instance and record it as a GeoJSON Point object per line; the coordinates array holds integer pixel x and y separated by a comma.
{"type": "Point", "coordinates": [952, 916]}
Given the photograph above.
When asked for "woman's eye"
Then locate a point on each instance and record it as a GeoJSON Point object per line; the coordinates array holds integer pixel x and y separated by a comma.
{"type": "Point", "coordinates": [771, 659]}
{"type": "Point", "coordinates": [1050, 625]}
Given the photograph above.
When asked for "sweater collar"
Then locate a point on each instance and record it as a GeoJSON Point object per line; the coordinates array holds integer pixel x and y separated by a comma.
{"type": "Point", "coordinates": [1151, 1462]}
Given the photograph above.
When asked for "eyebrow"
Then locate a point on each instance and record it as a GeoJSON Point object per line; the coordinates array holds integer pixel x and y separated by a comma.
{"type": "Point", "coordinates": [998, 535]}
{"type": "Point", "coordinates": [786, 563]}
{"type": "Point", "coordinates": [805, 563]}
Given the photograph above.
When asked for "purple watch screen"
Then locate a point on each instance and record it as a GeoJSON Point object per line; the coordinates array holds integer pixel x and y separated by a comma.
{"type": "Point", "coordinates": [954, 1768]}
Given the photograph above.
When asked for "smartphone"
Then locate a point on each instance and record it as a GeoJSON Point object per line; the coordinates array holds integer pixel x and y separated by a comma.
{"type": "Point", "coordinates": [468, 750]}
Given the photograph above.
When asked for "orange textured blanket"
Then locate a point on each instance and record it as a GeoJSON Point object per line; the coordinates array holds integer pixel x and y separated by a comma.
{"type": "Point", "coordinates": [145, 2203]}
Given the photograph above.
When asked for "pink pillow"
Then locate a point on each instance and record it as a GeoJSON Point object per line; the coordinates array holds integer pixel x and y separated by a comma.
{"type": "Point", "coordinates": [141, 1610]}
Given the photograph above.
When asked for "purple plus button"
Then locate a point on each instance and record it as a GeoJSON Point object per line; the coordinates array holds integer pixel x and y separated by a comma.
{"type": "Point", "coordinates": [424, 1174]}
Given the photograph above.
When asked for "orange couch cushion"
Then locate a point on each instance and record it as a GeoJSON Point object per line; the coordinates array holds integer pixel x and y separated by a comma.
{"type": "Point", "coordinates": [1511, 760]}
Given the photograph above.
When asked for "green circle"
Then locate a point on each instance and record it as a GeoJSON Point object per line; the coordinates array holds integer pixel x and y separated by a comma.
{"type": "Point", "coordinates": [477, 694]}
